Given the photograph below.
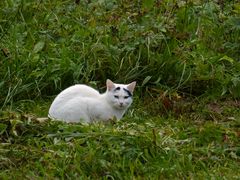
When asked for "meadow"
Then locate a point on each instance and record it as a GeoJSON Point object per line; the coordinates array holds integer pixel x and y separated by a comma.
{"type": "Point", "coordinates": [184, 122]}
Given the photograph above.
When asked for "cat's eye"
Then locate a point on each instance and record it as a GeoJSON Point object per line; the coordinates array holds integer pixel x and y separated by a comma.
{"type": "Point", "coordinates": [117, 97]}
{"type": "Point", "coordinates": [125, 97]}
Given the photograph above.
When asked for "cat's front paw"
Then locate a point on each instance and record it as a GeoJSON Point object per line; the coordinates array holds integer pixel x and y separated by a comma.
{"type": "Point", "coordinates": [113, 120]}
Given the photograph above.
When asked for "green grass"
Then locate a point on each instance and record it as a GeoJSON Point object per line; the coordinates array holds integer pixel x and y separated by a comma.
{"type": "Point", "coordinates": [190, 47]}
{"type": "Point", "coordinates": [139, 146]}
{"type": "Point", "coordinates": [184, 55]}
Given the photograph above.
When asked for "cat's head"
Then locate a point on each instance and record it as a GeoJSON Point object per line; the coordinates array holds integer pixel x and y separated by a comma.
{"type": "Point", "coordinates": [120, 95]}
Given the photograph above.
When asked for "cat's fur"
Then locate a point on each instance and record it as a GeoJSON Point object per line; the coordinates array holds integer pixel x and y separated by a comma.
{"type": "Point", "coordinates": [81, 103]}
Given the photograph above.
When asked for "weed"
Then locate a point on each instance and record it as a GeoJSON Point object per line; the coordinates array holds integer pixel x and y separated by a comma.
{"type": "Point", "coordinates": [136, 147]}
{"type": "Point", "coordinates": [184, 56]}
{"type": "Point", "coordinates": [184, 46]}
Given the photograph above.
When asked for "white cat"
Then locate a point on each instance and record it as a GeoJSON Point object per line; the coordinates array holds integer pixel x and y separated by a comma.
{"type": "Point", "coordinates": [81, 103]}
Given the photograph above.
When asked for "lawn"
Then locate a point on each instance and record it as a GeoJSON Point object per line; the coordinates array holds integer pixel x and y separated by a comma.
{"type": "Point", "coordinates": [185, 119]}
{"type": "Point", "coordinates": [203, 144]}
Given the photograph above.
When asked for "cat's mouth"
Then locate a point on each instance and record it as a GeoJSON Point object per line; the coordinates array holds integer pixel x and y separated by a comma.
{"type": "Point", "coordinates": [120, 106]}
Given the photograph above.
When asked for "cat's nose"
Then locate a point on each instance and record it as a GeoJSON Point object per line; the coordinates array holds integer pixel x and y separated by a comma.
{"type": "Point", "coordinates": [121, 104]}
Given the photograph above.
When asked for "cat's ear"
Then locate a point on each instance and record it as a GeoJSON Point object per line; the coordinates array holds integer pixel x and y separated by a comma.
{"type": "Point", "coordinates": [110, 85]}
{"type": "Point", "coordinates": [131, 86]}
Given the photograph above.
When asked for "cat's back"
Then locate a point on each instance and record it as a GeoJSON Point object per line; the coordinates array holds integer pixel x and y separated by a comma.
{"type": "Point", "coordinates": [72, 92]}
{"type": "Point", "coordinates": [78, 90]}
{"type": "Point", "coordinates": [67, 99]}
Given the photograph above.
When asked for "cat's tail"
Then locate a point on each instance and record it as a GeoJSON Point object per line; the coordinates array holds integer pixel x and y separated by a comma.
{"type": "Point", "coordinates": [52, 118]}
{"type": "Point", "coordinates": [42, 119]}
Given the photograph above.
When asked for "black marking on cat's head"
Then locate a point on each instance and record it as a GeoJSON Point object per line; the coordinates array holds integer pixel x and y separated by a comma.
{"type": "Point", "coordinates": [128, 92]}
{"type": "Point", "coordinates": [117, 89]}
